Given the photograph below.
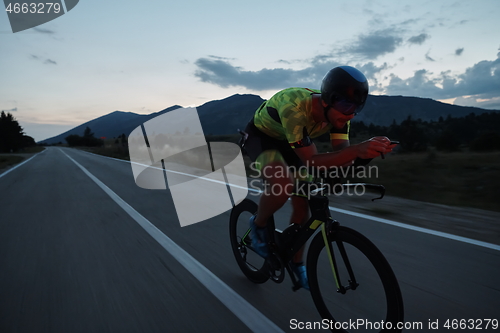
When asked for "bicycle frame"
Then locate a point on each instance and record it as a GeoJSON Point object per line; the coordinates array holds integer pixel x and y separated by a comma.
{"type": "Point", "coordinates": [320, 217]}
{"type": "Point", "coordinates": [341, 248]}
{"type": "Point", "coordinates": [320, 214]}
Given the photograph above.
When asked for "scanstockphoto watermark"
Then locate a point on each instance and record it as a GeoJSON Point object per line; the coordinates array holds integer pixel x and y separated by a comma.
{"type": "Point", "coordinates": [204, 179]}
{"type": "Point", "coordinates": [336, 174]}
{"type": "Point", "coordinates": [358, 324]}
{"type": "Point", "coordinates": [31, 13]}
{"type": "Point", "coordinates": [305, 189]}
{"type": "Point", "coordinates": [365, 324]}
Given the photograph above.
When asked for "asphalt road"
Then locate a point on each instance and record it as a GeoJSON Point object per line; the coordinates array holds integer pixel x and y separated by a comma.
{"type": "Point", "coordinates": [72, 259]}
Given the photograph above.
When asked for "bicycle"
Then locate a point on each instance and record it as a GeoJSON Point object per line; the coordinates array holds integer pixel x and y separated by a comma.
{"type": "Point", "coordinates": [363, 274]}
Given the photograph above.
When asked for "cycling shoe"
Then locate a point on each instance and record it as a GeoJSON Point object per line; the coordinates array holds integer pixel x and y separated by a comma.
{"type": "Point", "coordinates": [259, 238]}
{"type": "Point", "coordinates": [300, 272]}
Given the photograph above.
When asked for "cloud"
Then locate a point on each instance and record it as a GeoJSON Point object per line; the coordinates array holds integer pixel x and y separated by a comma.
{"type": "Point", "coordinates": [418, 85]}
{"type": "Point", "coordinates": [367, 47]}
{"type": "Point", "coordinates": [223, 74]}
{"type": "Point", "coordinates": [482, 81]}
{"type": "Point", "coordinates": [373, 45]}
{"type": "Point", "coordinates": [420, 39]}
{"type": "Point", "coordinates": [220, 58]}
{"type": "Point", "coordinates": [45, 61]}
{"type": "Point", "coordinates": [479, 83]}
{"type": "Point", "coordinates": [11, 110]}
{"type": "Point", "coordinates": [44, 31]}
{"type": "Point", "coordinates": [370, 70]}
{"type": "Point", "coordinates": [492, 103]}
{"type": "Point", "coordinates": [410, 21]}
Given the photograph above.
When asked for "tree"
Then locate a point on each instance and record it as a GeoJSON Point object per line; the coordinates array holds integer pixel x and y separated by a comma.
{"type": "Point", "coordinates": [88, 133]}
{"type": "Point", "coordinates": [123, 139]}
{"type": "Point", "coordinates": [486, 142]}
{"type": "Point", "coordinates": [88, 139]}
{"type": "Point", "coordinates": [12, 136]}
{"type": "Point", "coordinates": [412, 135]}
{"type": "Point", "coordinates": [448, 141]}
{"type": "Point", "coordinates": [74, 140]}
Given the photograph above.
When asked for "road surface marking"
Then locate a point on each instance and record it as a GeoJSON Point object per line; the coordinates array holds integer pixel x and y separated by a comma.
{"type": "Point", "coordinates": [393, 223]}
{"type": "Point", "coordinates": [248, 314]}
{"type": "Point", "coordinates": [17, 166]}
{"type": "Point", "coordinates": [419, 229]}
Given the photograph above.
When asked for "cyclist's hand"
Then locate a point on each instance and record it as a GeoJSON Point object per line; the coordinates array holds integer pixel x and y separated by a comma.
{"type": "Point", "coordinates": [374, 147]}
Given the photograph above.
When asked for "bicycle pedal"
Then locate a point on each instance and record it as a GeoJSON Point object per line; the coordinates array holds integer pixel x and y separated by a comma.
{"type": "Point", "coordinates": [275, 268]}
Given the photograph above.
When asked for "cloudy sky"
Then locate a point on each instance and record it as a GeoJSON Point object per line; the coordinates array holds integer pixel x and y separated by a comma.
{"type": "Point", "coordinates": [144, 56]}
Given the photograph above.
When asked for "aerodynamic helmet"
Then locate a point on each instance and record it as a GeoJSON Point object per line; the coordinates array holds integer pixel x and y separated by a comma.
{"type": "Point", "coordinates": [345, 89]}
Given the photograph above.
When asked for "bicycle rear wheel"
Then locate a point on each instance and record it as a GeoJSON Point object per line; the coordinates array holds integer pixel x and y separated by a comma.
{"type": "Point", "coordinates": [250, 263]}
{"type": "Point", "coordinates": [372, 301]}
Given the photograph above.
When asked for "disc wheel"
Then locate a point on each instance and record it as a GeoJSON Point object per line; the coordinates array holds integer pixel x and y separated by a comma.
{"type": "Point", "coordinates": [250, 263]}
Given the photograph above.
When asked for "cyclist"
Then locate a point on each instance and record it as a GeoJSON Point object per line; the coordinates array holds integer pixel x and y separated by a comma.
{"type": "Point", "coordinates": [279, 137]}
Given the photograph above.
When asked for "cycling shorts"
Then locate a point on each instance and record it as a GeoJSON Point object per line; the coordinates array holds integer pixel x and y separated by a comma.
{"type": "Point", "coordinates": [263, 150]}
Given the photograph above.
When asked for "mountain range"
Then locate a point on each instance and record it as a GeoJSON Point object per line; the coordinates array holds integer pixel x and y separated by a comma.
{"type": "Point", "coordinates": [226, 116]}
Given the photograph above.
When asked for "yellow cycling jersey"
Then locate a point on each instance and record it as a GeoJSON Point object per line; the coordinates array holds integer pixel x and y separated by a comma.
{"type": "Point", "coordinates": [288, 116]}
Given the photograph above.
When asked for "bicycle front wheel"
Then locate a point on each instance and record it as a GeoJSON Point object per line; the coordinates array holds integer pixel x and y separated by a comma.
{"type": "Point", "coordinates": [363, 294]}
{"type": "Point", "coordinates": [250, 263]}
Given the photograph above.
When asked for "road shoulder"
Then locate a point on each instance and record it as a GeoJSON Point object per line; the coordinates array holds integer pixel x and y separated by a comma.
{"type": "Point", "coordinates": [467, 222]}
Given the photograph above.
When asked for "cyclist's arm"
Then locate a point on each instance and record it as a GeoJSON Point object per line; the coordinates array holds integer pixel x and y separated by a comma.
{"type": "Point", "coordinates": [338, 145]}
{"type": "Point", "coordinates": [339, 138]}
{"type": "Point", "coordinates": [367, 149]}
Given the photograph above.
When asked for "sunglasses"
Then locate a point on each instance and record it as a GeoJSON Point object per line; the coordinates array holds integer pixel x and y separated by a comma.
{"type": "Point", "coordinates": [346, 108]}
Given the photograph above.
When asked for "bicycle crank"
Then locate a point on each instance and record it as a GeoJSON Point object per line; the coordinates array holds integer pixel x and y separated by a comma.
{"type": "Point", "coordinates": [276, 268]}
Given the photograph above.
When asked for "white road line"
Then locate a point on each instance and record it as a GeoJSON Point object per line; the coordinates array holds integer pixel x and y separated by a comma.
{"type": "Point", "coordinates": [172, 171]}
{"type": "Point", "coordinates": [419, 229]}
{"type": "Point", "coordinates": [393, 223]}
{"type": "Point", "coordinates": [17, 166]}
{"type": "Point", "coordinates": [248, 314]}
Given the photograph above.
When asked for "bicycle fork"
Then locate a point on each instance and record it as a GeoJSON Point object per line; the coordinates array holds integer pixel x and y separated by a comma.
{"type": "Point", "coordinates": [328, 232]}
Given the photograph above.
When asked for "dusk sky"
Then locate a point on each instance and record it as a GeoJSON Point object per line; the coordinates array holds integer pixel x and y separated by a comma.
{"type": "Point", "coordinates": [145, 56]}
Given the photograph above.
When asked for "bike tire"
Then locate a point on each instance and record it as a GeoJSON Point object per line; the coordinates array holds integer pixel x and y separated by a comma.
{"type": "Point", "coordinates": [377, 298]}
{"type": "Point", "coordinates": [250, 263]}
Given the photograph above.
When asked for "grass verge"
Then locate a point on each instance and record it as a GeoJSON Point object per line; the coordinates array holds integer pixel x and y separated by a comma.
{"type": "Point", "coordinates": [8, 160]}
{"type": "Point", "coordinates": [31, 150]}
{"type": "Point", "coordinates": [459, 179]}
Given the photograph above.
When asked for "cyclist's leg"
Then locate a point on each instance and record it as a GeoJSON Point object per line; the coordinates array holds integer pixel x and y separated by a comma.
{"type": "Point", "coordinates": [266, 154]}
{"type": "Point", "coordinates": [300, 215]}
{"type": "Point", "coordinates": [300, 203]}
{"type": "Point", "coordinates": [278, 188]}
{"type": "Point", "coordinates": [279, 185]}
